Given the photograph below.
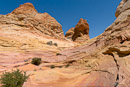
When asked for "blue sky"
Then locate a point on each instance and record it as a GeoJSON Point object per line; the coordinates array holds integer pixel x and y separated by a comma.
{"type": "Point", "coordinates": [99, 13]}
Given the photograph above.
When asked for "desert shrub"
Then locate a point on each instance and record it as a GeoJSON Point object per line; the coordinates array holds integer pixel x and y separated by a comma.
{"type": "Point", "coordinates": [52, 66]}
{"type": "Point", "coordinates": [58, 54]}
{"type": "Point", "coordinates": [36, 61]}
{"type": "Point", "coordinates": [55, 44]}
{"type": "Point", "coordinates": [13, 79]}
{"type": "Point", "coordinates": [50, 43]}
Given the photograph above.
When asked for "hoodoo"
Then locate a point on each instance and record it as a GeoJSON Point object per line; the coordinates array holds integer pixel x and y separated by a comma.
{"type": "Point", "coordinates": [80, 32]}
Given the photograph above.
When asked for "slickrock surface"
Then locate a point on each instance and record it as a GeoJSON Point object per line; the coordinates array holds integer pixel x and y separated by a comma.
{"type": "Point", "coordinates": [103, 61]}
{"type": "Point", "coordinates": [25, 33]}
{"type": "Point", "coordinates": [80, 33]}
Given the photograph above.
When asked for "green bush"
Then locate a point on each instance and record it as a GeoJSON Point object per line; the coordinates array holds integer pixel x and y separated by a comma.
{"type": "Point", "coordinates": [36, 61]}
{"type": "Point", "coordinates": [13, 79]}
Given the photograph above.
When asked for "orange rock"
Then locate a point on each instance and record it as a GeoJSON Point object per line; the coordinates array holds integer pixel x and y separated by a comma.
{"type": "Point", "coordinates": [69, 33]}
{"type": "Point", "coordinates": [26, 8]}
{"type": "Point", "coordinates": [80, 33]}
{"type": "Point", "coordinates": [26, 16]}
{"type": "Point", "coordinates": [103, 61]}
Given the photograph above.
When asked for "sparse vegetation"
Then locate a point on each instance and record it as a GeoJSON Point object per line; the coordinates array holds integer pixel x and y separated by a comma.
{"type": "Point", "coordinates": [55, 44]}
{"type": "Point", "coordinates": [52, 66]}
{"type": "Point", "coordinates": [50, 43]}
{"type": "Point", "coordinates": [58, 54]}
{"type": "Point", "coordinates": [13, 79]}
{"type": "Point", "coordinates": [36, 61]}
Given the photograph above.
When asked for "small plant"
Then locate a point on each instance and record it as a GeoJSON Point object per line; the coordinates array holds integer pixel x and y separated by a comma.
{"type": "Point", "coordinates": [36, 61]}
{"type": "Point", "coordinates": [50, 43]}
{"type": "Point", "coordinates": [55, 44]}
{"type": "Point", "coordinates": [13, 79]}
{"type": "Point", "coordinates": [58, 54]}
{"type": "Point", "coordinates": [52, 66]}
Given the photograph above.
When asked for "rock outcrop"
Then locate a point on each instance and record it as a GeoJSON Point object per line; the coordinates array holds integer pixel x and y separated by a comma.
{"type": "Point", "coordinates": [103, 61]}
{"type": "Point", "coordinates": [24, 34]}
{"type": "Point", "coordinates": [25, 28]}
{"type": "Point", "coordinates": [69, 34]}
{"type": "Point", "coordinates": [123, 6]}
{"type": "Point", "coordinates": [27, 17]}
{"type": "Point", "coordinates": [80, 33]}
{"type": "Point", "coordinates": [106, 57]}
{"type": "Point", "coordinates": [42, 22]}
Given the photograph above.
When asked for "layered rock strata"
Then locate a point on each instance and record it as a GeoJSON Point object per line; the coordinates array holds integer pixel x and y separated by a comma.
{"type": "Point", "coordinates": [103, 61]}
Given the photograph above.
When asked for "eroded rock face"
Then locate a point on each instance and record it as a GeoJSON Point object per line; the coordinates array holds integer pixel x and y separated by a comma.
{"type": "Point", "coordinates": [80, 33]}
{"type": "Point", "coordinates": [27, 17]}
{"type": "Point", "coordinates": [69, 34]}
{"type": "Point", "coordinates": [123, 6]}
{"type": "Point", "coordinates": [108, 54]}
{"type": "Point", "coordinates": [25, 28]}
{"type": "Point", "coordinates": [105, 59]}
{"type": "Point", "coordinates": [101, 62]}
{"type": "Point", "coordinates": [24, 32]}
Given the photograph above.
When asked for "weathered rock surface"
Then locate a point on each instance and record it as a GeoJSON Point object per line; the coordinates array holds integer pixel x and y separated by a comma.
{"type": "Point", "coordinates": [123, 6]}
{"type": "Point", "coordinates": [25, 28]}
{"type": "Point", "coordinates": [69, 34]}
{"type": "Point", "coordinates": [80, 33]}
{"type": "Point", "coordinates": [24, 34]}
{"type": "Point", "coordinates": [28, 16]}
{"type": "Point", "coordinates": [107, 55]}
{"type": "Point", "coordinates": [101, 62]}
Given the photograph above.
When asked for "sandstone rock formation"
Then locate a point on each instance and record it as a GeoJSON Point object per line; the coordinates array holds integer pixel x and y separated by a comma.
{"type": "Point", "coordinates": [123, 6]}
{"type": "Point", "coordinates": [80, 33]}
{"type": "Point", "coordinates": [24, 34]}
{"type": "Point", "coordinates": [69, 34]}
{"type": "Point", "coordinates": [103, 61]}
{"type": "Point", "coordinates": [42, 22]}
{"type": "Point", "coordinates": [25, 27]}
{"type": "Point", "coordinates": [106, 57]}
